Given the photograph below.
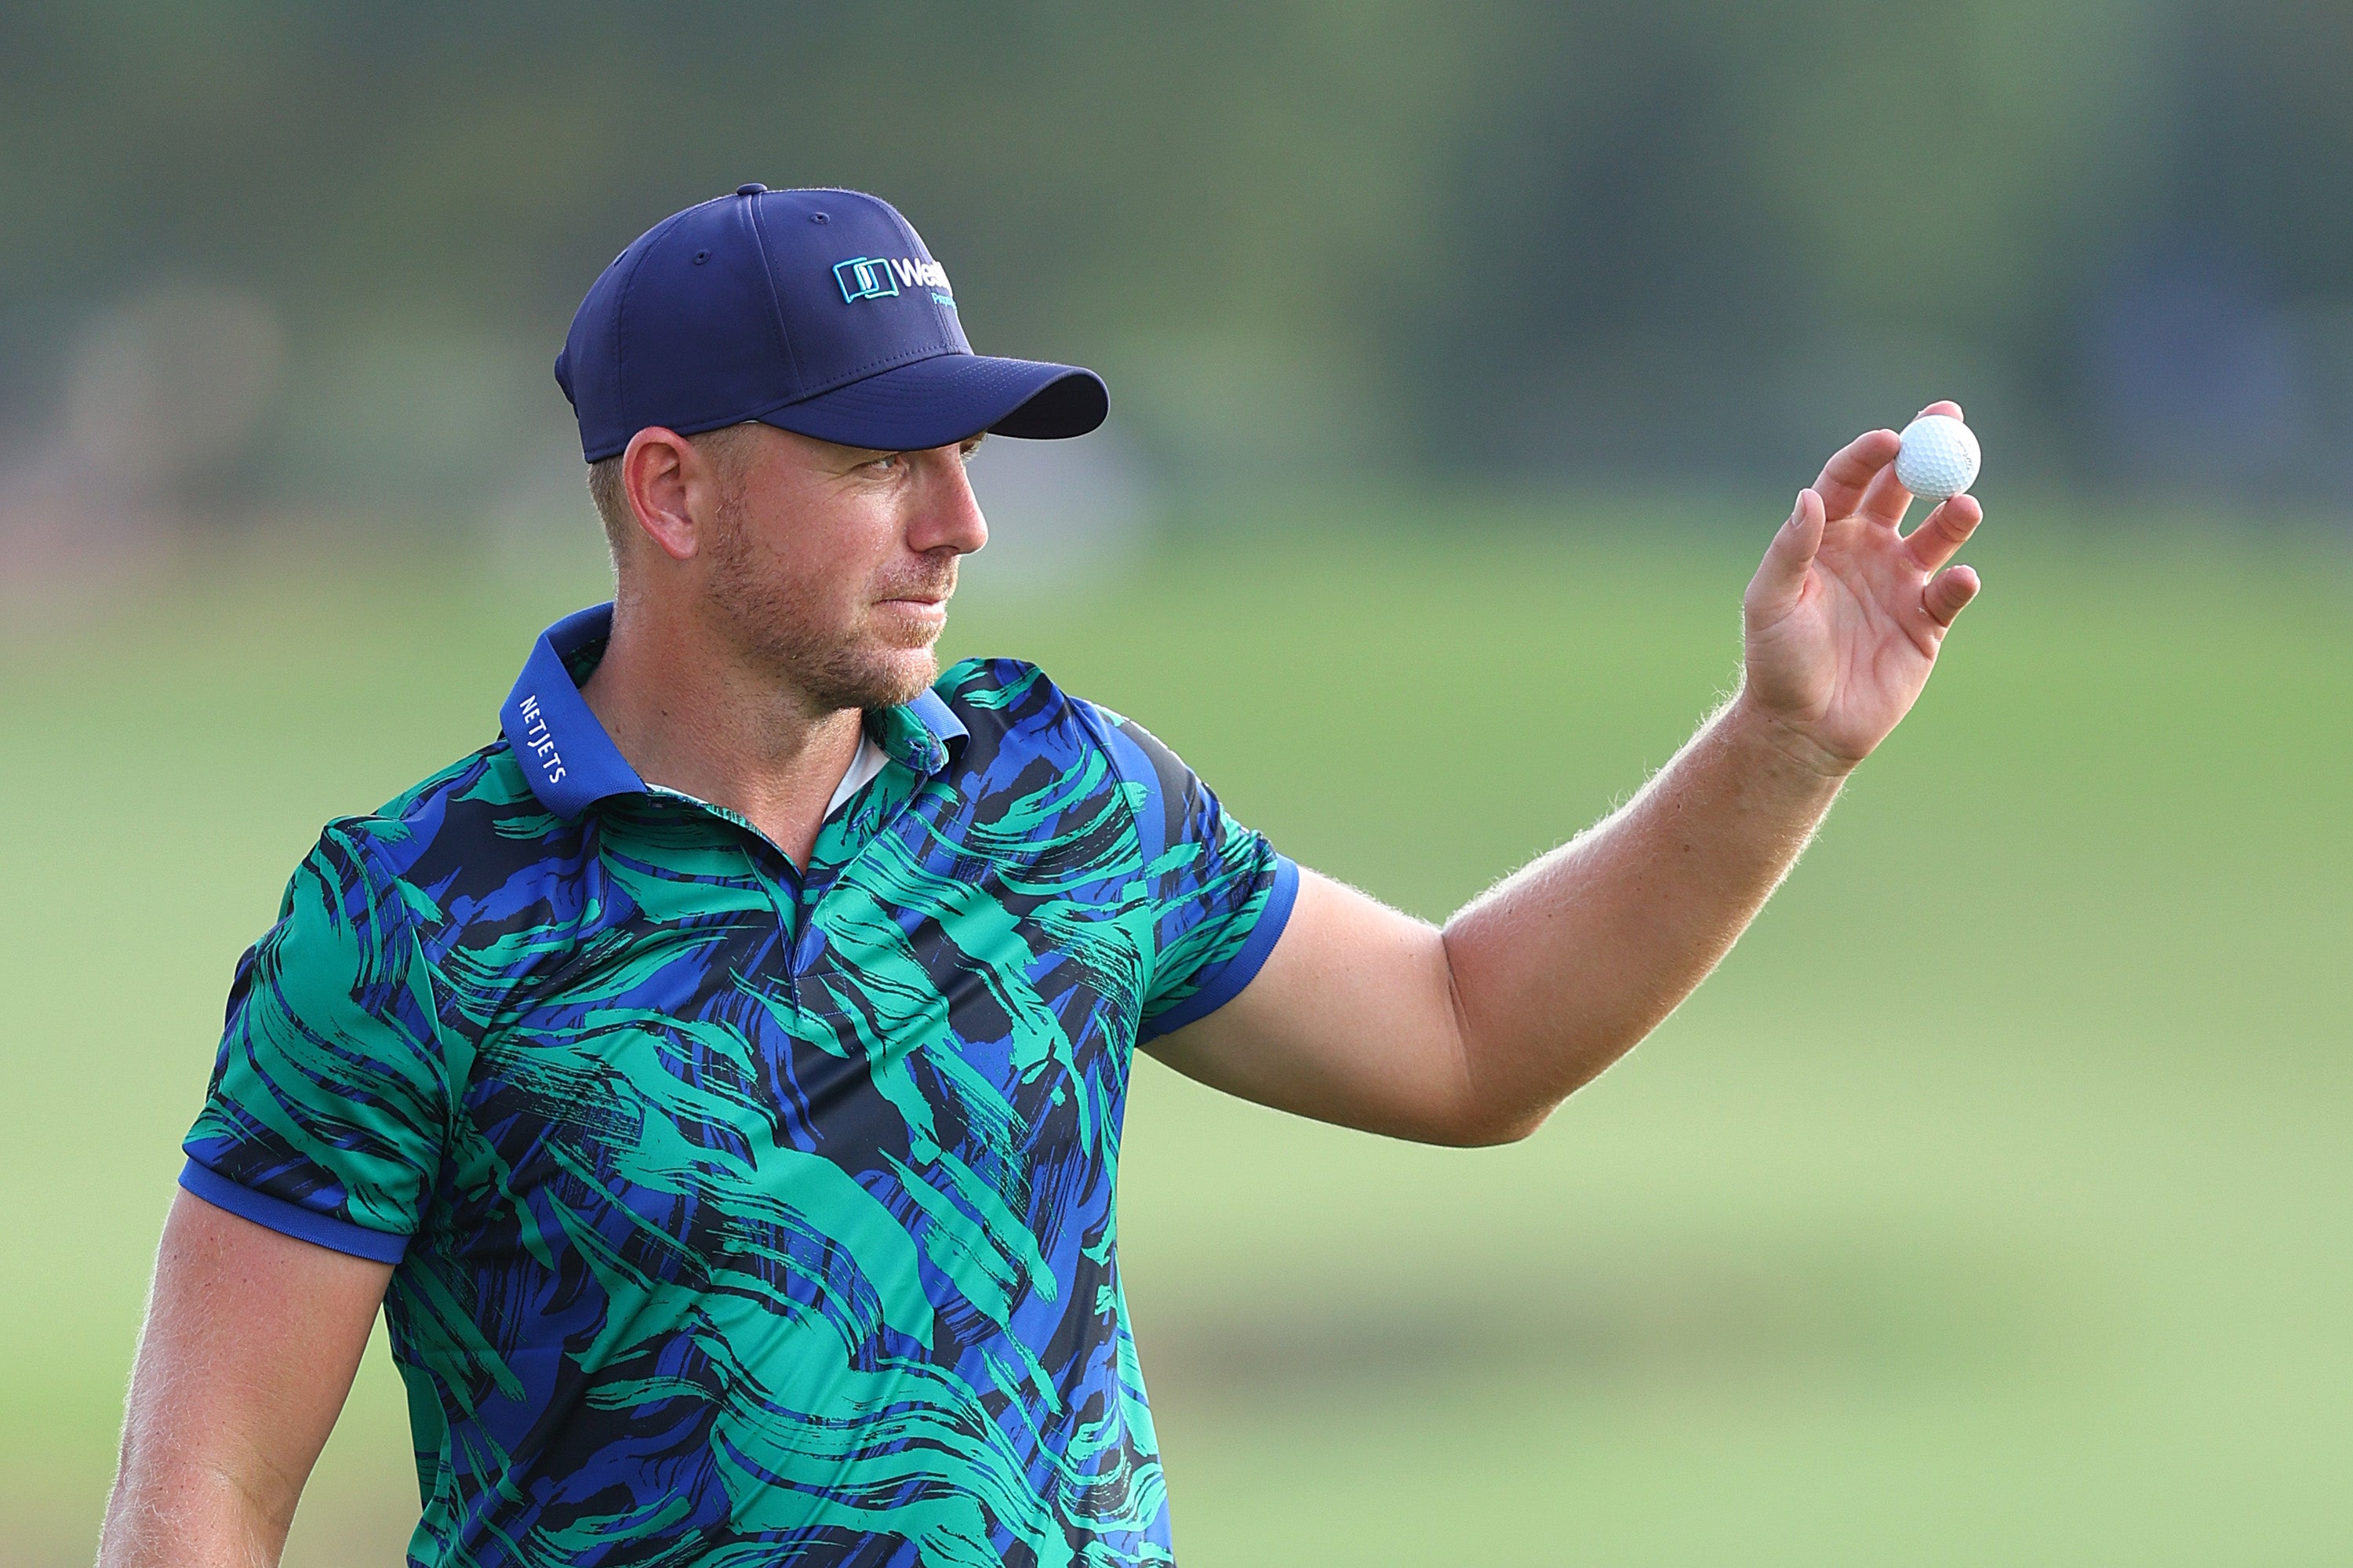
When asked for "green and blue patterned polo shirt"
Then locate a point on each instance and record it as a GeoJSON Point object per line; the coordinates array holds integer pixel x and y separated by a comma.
{"type": "Point", "coordinates": [744, 1213]}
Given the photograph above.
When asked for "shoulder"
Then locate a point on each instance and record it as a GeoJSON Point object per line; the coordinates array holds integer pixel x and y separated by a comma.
{"type": "Point", "coordinates": [446, 843]}
{"type": "Point", "coordinates": [1017, 716]}
{"type": "Point", "coordinates": [1012, 710]}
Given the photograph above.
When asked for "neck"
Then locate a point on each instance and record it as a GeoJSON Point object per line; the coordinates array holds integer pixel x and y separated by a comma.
{"type": "Point", "coordinates": [690, 716]}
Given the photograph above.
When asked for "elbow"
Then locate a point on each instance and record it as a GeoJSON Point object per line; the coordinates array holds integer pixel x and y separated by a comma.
{"type": "Point", "coordinates": [1491, 1126]}
{"type": "Point", "coordinates": [1507, 1083]}
{"type": "Point", "coordinates": [1479, 1113]}
{"type": "Point", "coordinates": [1504, 1097]}
{"type": "Point", "coordinates": [1490, 1113]}
{"type": "Point", "coordinates": [1485, 1113]}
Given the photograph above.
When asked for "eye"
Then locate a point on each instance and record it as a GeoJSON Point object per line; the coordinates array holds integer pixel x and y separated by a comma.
{"type": "Point", "coordinates": [885, 463]}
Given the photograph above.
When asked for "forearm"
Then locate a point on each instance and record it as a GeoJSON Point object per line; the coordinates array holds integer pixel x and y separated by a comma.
{"type": "Point", "coordinates": [1559, 970]}
{"type": "Point", "coordinates": [187, 1492]}
{"type": "Point", "coordinates": [169, 1512]}
{"type": "Point", "coordinates": [1472, 1034]}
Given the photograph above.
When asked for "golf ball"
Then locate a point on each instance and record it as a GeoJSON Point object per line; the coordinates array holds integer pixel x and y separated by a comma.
{"type": "Point", "coordinates": [1940, 459]}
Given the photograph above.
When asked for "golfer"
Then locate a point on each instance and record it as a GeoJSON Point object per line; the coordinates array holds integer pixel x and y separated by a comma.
{"type": "Point", "coordinates": [716, 1079]}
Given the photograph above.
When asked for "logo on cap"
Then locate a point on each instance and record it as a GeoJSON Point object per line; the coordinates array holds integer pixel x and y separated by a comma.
{"type": "Point", "coordinates": [878, 278]}
{"type": "Point", "coordinates": [864, 277]}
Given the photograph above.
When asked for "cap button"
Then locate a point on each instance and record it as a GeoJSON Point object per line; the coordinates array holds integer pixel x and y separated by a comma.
{"type": "Point", "coordinates": [754, 188]}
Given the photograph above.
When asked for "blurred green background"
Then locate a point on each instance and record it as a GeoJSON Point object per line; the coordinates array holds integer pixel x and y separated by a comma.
{"type": "Point", "coordinates": [272, 260]}
{"type": "Point", "coordinates": [1989, 1205]}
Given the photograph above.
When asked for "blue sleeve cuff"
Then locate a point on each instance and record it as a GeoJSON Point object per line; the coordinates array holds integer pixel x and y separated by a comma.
{"type": "Point", "coordinates": [291, 1219]}
{"type": "Point", "coordinates": [1225, 981]}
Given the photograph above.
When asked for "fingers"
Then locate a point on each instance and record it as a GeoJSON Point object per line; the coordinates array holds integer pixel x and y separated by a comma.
{"type": "Point", "coordinates": [1884, 500]}
{"type": "Point", "coordinates": [1782, 574]}
{"type": "Point", "coordinates": [1852, 469]}
{"type": "Point", "coordinates": [1942, 531]}
{"type": "Point", "coordinates": [1949, 593]}
{"type": "Point", "coordinates": [1860, 480]}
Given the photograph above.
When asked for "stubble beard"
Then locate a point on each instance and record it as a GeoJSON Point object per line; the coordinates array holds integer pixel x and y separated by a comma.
{"type": "Point", "coordinates": [770, 624]}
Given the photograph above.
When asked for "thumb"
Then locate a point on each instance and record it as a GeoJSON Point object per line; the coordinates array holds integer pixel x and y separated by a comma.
{"type": "Point", "coordinates": [1786, 559]}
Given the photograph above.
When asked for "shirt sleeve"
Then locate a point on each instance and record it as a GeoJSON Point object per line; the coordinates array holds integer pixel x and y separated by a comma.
{"type": "Point", "coordinates": [1220, 893]}
{"type": "Point", "coordinates": [326, 1112]}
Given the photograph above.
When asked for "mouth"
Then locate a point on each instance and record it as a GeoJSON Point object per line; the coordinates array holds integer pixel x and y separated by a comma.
{"type": "Point", "coordinates": [930, 613]}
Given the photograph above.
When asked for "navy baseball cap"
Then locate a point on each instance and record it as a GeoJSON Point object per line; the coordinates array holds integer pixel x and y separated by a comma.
{"type": "Point", "coordinates": [815, 311]}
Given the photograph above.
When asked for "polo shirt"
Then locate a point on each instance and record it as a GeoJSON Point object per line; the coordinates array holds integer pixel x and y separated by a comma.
{"type": "Point", "coordinates": [745, 1212]}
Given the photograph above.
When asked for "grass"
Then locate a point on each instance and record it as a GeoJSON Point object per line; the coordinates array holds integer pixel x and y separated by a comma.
{"type": "Point", "coordinates": [1988, 1205]}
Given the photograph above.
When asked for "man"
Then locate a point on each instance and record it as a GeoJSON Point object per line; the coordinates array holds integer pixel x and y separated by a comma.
{"type": "Point", "coordinates": [717, 1078]}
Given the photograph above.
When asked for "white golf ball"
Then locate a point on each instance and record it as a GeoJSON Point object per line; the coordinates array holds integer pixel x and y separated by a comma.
{"type": "Point", "coordinates": [1940, 458]}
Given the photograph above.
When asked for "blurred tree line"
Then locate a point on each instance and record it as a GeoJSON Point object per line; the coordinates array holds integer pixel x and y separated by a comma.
{"type": "Point", "coordinates": [321, 256]}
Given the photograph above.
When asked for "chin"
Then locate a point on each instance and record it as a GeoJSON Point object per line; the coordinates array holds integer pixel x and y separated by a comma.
{"type": "Point", "coordinates": [920, 673]}
{"type": "Point", "coordinates": [898, 676]}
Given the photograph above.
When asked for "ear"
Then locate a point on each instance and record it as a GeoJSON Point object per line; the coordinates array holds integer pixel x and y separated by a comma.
{"type": "Point", "coordinates": [670, 487]}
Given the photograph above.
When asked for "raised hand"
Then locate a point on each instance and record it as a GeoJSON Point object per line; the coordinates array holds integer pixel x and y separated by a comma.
{"type": "Point", "coordinates": [1846, 613]}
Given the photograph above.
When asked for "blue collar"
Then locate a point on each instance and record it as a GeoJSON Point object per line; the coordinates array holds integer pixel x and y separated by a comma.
{"type": "Point", "coordinates": [571, 763]}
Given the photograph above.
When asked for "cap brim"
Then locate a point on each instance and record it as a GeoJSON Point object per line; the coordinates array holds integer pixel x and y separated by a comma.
{"type": "Point", "coordinates": [938, 401]}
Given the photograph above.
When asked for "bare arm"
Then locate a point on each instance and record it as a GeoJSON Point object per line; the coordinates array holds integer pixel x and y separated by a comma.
{"type": "Point", "coordinates": [1473, 1034]}
{"type": "Point", "coordinates": [251, 1343]}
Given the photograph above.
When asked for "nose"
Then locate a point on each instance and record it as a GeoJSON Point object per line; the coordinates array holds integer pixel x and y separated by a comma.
{"type": "Point", "coordinates": [947, 514]}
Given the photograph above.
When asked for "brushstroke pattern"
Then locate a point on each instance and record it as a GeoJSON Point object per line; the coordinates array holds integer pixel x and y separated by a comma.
{"type": "Point", "coordinates": [754, 1217]}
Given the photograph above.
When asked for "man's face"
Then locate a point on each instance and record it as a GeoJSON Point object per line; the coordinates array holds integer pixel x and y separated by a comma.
{"type": "Point", "coordinates": [832, 566]}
